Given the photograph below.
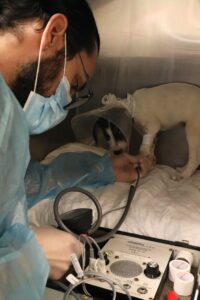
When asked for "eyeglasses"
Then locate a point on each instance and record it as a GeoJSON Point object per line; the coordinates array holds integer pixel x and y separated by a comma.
{"type": "Point", "coordinates": [79, 100]}
{"type": "Point", "coordinates": [84, 70]}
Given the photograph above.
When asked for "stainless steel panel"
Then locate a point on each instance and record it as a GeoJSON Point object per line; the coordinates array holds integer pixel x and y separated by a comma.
{"type": "Point", "coordinates": [146, 43]}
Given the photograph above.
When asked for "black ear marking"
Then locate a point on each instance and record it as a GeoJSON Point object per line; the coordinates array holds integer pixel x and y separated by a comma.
{"type": "Point", "coordinates": [107, 135]}
{"type": "Point", "coordinates": [101, 124]}
{"type": "Point", "coordinates": [117, 133]}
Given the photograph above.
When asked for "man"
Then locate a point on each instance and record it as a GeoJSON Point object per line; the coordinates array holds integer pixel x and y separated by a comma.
{"type": "Point", "coordinates": [41, 40]}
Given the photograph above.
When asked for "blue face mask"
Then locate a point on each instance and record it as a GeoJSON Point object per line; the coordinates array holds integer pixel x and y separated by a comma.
{"type": "Point", "coordinates": [43, 113]}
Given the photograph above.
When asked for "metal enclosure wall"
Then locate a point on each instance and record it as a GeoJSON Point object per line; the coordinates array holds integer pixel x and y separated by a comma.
{"type": "Point", "coordinates": [146, 43]}
{"type": "Point", "coordinates": [143, 43]}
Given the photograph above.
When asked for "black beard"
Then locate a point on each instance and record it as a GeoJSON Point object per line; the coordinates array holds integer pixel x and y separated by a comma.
{"type": "Point", "coordinates": [49, 70]}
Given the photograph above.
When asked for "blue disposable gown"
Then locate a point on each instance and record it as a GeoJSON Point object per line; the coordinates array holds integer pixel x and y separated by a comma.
{"type": "Point", "coordinates": [84, 169]}
{"type": "Point", "coordinates": [23, 266]}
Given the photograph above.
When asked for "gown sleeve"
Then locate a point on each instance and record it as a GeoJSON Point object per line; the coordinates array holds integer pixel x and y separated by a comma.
{"type": "Point", "coordinates": [83, 169]}
{"type": "Point", "coordinates": [23, 266]}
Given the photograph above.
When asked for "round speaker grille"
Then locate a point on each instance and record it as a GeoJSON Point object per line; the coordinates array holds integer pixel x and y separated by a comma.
{"type": "Point", "coordinates": [126, 268]}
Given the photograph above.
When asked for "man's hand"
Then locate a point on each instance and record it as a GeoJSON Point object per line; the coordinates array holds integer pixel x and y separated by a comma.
{"type": "Point", "coordinates": [57, 246]}
{"type": "Point", "coordinates": [124, 167]}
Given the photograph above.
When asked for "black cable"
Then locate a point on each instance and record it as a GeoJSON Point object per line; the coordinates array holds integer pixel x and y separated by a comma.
{"type": "Point", "coordinates": [131, 195]}
{"type": "Point", "coordinates": [96, 225]}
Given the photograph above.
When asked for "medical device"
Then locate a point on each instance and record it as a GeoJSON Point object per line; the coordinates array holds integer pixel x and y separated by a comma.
{"type": "Point", "coordinates": [136, 264]}
{"type": "Point", "coordinates": [79, 221]}
{"type": "Point", "coordinates": [127, 266]}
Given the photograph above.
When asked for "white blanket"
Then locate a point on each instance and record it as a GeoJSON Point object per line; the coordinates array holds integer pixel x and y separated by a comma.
{"type": "Point", "coordinates": [162, 208]}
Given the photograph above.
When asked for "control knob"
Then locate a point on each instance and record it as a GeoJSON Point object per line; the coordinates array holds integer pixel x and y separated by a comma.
{"type": "Point", "coordinates": [152, 270]}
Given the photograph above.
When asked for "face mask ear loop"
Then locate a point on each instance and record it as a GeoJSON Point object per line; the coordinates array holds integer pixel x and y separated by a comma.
{"type": "Point", "coordinates": [38, 65]}
{"type": "Point", "coordinates": [65, 62]}
{"type": "Point", "coordinates": [39, 61]}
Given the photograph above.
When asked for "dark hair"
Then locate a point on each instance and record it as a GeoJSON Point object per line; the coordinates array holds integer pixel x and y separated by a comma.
{"type": "Point", "coordinates": [82, 32]}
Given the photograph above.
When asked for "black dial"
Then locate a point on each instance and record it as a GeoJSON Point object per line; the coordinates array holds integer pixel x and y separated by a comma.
{"type": "Point", "coordinates": [152, 270]}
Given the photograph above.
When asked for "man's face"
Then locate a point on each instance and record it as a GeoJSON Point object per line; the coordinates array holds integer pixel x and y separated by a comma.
{"type": "Point", "coordinates": [50, 73]}
{"type": "Point", "coordinates": [78, 71]}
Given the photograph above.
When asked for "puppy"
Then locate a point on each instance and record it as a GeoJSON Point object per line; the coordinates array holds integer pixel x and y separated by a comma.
{"type": "Point", "coordinates": [109, 136]}
{"type": "Point", "coordinates": [162, 107]}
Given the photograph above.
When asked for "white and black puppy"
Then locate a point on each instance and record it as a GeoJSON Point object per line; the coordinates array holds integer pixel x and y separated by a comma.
{"type": "Point", "coordinates": [162, 107]}
{"type": "Point", "coordinates": [109, 136]}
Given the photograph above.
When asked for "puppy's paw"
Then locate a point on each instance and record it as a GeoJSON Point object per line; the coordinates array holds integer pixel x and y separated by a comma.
{"type": "Point", "coordinates": [176, 177]}
{"type": "Point", "coordinates": [150, 156]}
{"type": "Point", "coordinates": [152, 160]}
{"type": "Point", "coordinates": [180, 169]}
{"type": "Point", "coordinates": [182, 172]}
{"type": "Point", "coordinates": [186, 173]}
{"type": "Point", "coordinates": [149, 163]}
